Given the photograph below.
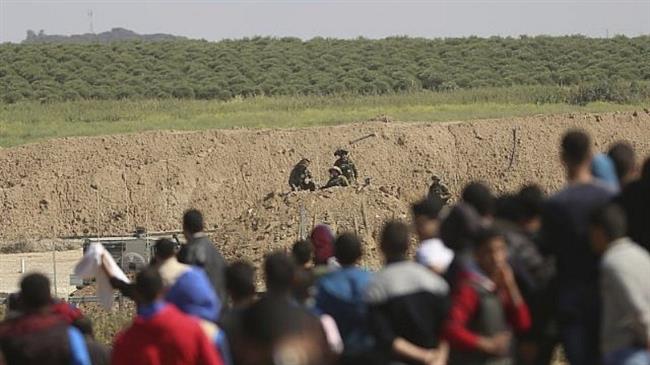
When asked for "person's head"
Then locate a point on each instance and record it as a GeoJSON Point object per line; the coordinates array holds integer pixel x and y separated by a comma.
{"type": "Point", "coordinates": [240, 282]}
{"type": "Point", "coordinates": [576, 152]}
{"type": "Point", "coordinates": [394, 241]}
{"type": "Point", "coordinates": [302, 252]}
{"type": "Point", "coordinates": [507, 207]}
{"type": "Point", "coordinates": [164, 249]}
{"type": "Point", "coordinates": [425, 217]}
{"type": "Point", "coordinates": [479, 196]}
{"type": "Point", "coordinates": [624, 158]}
{"type": "Point", "coordinates": [148, 286]}
{"type": "Point", "coordinates": [192, 222]}
{"type": "Point", "coordinates": [273, 331]}
{"type": "Point", "coordinates": [335, 171]}
{"type": "Point", "coordinates": [322, 239]}
{"type": "Point", "coordinates": [304, 161]}
{"type": "Point", "coordinates": [459, 229]}
{"type": "Point", "coordinates": [491, 251]}
{"type": "Point", "coordinates": [303, 285]}
{"type": "Point", "coordinates": [279, 271]}
{"type": "Point", "coordinates": [531, 202]}
{"type": "Point", "coordinates": [347, 249]}
{"type": "Point", "coordinates": [341, 153]}
{"type": "Point", "coordinates": [35, 292]}
{"type": "Point", "coordinates": [606, 224]}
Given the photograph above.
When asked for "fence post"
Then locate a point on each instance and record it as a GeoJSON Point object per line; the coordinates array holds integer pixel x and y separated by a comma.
{"type": "Point", "coordinates": [56, 288]}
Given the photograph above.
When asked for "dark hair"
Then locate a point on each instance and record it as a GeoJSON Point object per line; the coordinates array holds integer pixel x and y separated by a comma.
{"type": "Point", "coordinates": [148, 285]}
{"type": "Point", "coordinates": [278, 270]}
{"type": "Point", "coordinates": [240, 280]}
{"type": "Point", "coordinates": [193, 221]}
{"type": "Point", "coordinates": [347, 249]}
{"type": "Point", "coordinates": [624, 158]}
{"type": "Point", "coordinates": [508, 207]}
{"type": "Point", "coordinates": [459, 229]}
{"type": "Point", "coordinates": [429, 207]}
{"type": "Point", "coordinates": [486, 235]}
{"type": "Point", "coordinates": [479, 196]}
{"type": "Point", "coordinates": [302, 252]}
{"type": "Point", "coordinates": [164, 248]}
{"type": "Point", "coordinates": [576, 147]}
{"type": "Point", "coordinates": [35, 292]}
{"type": "Point", "coordinates": [303, 282]}
{"type": "Point", "coordinates": [395, 239]}
{"type": "Point", "coordinates": [611, 219]}
{"type": "Point", "coordinates": [531, 201]}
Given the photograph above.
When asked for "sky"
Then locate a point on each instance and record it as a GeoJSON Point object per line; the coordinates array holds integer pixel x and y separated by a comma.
{"type": "Point", "coordinates": [214, 20]}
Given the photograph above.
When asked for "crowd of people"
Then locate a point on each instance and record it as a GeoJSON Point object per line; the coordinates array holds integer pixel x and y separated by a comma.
{"type": "Point", "coordinates": [491, 280]}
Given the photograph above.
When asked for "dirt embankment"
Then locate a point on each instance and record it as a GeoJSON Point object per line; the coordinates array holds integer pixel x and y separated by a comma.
{"type": "Point", "coordinates": [109, 185]}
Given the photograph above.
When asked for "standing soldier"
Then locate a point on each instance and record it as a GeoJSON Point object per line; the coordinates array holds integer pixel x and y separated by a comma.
{"type": "Point", "coordinates": [439, 190]}
{"type": "Point", "coordinates": [300, 177]}
{"type": "Point", "coordinates": [336, 178]}
{"type": "Point", "coordinates": [348, 169]}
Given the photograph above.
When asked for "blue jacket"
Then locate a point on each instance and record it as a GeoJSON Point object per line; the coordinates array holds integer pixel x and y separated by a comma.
{"type": "Point", "coordinates": [340, 294]}
{"type": "Point", "coordinates": [193, 294]}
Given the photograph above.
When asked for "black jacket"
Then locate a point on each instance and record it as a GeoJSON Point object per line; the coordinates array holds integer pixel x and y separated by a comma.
{"type": "Point", "coordinates": [200, 251]}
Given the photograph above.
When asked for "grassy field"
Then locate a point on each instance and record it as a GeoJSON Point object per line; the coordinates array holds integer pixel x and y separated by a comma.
{"type": "Point", "coordinates": [32, 121]}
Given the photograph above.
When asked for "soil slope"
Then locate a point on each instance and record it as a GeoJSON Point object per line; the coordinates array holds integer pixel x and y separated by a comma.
{"type": "Point", "coordinates": [109, 185]}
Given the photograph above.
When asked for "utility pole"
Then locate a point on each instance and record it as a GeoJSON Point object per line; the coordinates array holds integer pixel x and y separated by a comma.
{"type": "Point", "coordinates": [90, 20]}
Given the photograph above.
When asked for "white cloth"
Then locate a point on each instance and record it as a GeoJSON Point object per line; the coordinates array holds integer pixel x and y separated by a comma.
{"type": "Point", "coordinates": [434, 254]}
{"type": "Point", "coordinates": [98, 263]}
{"type": "Point", "coordinates": [332, 333]}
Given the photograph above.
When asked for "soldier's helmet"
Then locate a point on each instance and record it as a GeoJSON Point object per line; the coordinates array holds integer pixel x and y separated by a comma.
{"type": "Point", "coordinates": [304, 161]}
{"type": "Point", "coordinates": [435, 178]}
{"type": "Point", "coordinates": [340, 152]}
{"type": "Point", "coordinates": [335, 169]}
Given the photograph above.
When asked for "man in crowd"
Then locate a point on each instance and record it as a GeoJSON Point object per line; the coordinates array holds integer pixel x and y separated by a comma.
{"type": "Point", "coordinates": [39, 335]}
{"type": "Point", "coordinates": [635, 200]}
{"type": "Point", "coordinates": [479, 196]}
{"type": "Point", "coordinates": [186, 287]}
{"type": "Point", "coordinates": [300, 177]}
{"type": "Point", "coordinates": [407, 304]}
{"type": "Point", "coordinates": [431, 252]}
{"type": "Point", "coordinates": [624, 158]}
{"type": "Point", "coordinates": [303, 253]}
{"type": "Point", "coordinates": [340, 294]}
{"type": "Point", "coordinates": [161, 334]}
{"type": "Point", "coordinates": [564, 237]}
{"type": "Point", "coordinates": [624, 289]}
{"type": "Point", "coordinates": [487, 306]}
{"type": "Point", "coordinates": [200, 251]}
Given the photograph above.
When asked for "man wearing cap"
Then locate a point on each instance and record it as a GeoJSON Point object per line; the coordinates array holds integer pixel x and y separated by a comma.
{"type": "Point", "coordinates": [300, 177]}
{"type": "Point", "coordinates": [348, 169]}
{"type": "Point", "coordinates": [336, 178]}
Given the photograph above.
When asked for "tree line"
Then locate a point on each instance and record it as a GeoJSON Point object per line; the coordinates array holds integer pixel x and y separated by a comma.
{"type": "Point", "coordinates": [222, 70]}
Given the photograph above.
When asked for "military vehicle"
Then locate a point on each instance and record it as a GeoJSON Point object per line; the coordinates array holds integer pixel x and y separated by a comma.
{"type": "Point", "coordinates": [131, 253]}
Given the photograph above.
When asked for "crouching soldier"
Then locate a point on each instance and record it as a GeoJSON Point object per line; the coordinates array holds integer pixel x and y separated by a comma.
{"type": "Point", "coordinates": [348, 169]}
{"type": "Point", "coordinates": [336, 178]}
{"type": "Point", "coordinates": [300, 177]}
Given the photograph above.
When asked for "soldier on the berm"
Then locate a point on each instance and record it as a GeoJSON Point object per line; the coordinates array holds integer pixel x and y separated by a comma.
{"type": "Point", "coordinates": [300, 177]}
{"type": "Point", "coordinates": [348, 169]}
{"type": "Point", "coordinates": [439, 190]}
{"type": "Point", "coordinates": [336, 178]}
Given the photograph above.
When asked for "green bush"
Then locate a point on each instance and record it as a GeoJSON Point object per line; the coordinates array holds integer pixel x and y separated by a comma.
{"type": "Point", "coordinates": [250, 67]}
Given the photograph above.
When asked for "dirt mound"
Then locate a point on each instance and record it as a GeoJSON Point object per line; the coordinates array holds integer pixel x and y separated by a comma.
{"type": "Point", "coordinates": [109, 185]}
{"type": "Point", "coordinates": [279, 219]}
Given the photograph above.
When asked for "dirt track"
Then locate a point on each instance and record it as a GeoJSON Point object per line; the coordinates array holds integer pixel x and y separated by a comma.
{"type": "Point", "coordinates": [108, 185]}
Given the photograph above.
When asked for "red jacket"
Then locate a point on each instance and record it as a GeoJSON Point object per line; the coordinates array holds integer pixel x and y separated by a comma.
{"type": "Point", "coordinates": [465, 305]}
{"type": "Point", "coordinates": [169, 337]}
